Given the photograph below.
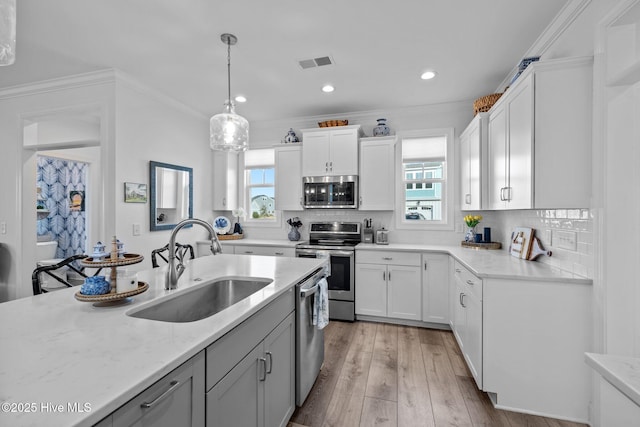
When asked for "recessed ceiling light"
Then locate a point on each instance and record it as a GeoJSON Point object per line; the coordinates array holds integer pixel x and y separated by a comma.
{"type": "Point", "coordinates": [428, 75]}
{"type": "Point", "coordinates": [328, 88]}
{"type": "Point", "coordinates": [241, 98]}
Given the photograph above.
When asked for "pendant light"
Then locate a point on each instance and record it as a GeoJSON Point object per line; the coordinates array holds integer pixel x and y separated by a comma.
{"type": "Point", "coordinates": [229, 131]}
{"type": "Point", "coordinates": [7, 32]}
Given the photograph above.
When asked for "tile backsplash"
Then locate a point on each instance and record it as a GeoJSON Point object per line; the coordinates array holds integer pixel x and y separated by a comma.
{"type": "Point", "coordinates": [549, 225]}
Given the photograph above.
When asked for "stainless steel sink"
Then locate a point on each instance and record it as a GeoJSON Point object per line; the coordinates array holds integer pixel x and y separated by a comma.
{"type": "Point", "coordinates": [201, 302]}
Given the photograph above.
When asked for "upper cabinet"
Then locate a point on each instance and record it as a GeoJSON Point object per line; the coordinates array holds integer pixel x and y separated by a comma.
{"type": "Point", "coordinates": [225, 183]}
{"type": "Point", "coordinates": [330, 151]}
{"type": "Point", "coordinates": [539, 139]}
{"type": "Point", "coordinates": [377, 167]}
{"type": "Point", "coordinates": [472, 149]}
{"type": "Point", "coordinates": [289, 177]}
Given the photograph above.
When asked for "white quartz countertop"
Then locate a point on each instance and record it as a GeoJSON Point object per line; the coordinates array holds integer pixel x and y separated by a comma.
{"type": "Point", "coordinates": [257, 242]}
{"type": "Point", "coordinates": [490, 264]}
{"type": "Point", "coordinates": [622, 372]}
{"type": "Point", "coordinates": [56, 350]}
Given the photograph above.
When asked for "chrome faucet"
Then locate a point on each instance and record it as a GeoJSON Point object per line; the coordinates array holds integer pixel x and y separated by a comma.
{"type": "Point", "coordinates": [175, 271]}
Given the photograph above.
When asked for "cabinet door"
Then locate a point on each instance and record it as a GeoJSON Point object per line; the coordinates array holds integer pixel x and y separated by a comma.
{"type": "Point", "coordinates": [280, 388]}
{"type": "Point", "coordinates": [460, 314]}
{"type": "Point", "coordinates": [371, 289]}
{"type": "Point", "coordinates": [343, 150]}
{"type": "Point", "coordinates": [473, 338]}
{"type": "Point", "coordinates": [520, 143]}
{"type": "Point", "coordinates": [497, 159]}
{"type": "Point", "coordinates": [404, 292]}
{"type": "Point", "coordinates": [315, 154]}
{"type": "Point", "coordinates": [377, 169]}
{"type": "Point", "coordinates": [289, 178]}
{"type": "Point", "coordinates": [465, 169]}
{"type": "Point", "coordinates": [435, 288]}
{"type": "Point", "coordinates": [225, 180]}
{"type": "Point", "coordinates": [175, 400]}
{"type": "Point", "coordinates": [238, 399]}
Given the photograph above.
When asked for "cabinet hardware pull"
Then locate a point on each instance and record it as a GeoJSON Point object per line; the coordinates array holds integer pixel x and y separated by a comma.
{"type": "Point", "coordinates": [462, 300]}
{"type": "Point", "coordinates": [470, 282]}
{"type": "Point", "coordinates": [172, 386]}
{"type": "Point", "coordinates": [224, 201]}
{"type": "Point", "coordinates": [458, 270]}
{"type": "Point", "coordinates": [467, 198]}
{"type": "Point", "coordinates": [387, 258]}
{"type": "Point", "coordinates": [263, 361]}
{"type": "Point", "coordinates": [279, 253]}
{"type": "Point", "coordinates": [502, 199]}
{"type": "Point", "coordinates": [248, 252]}
{"type": "Point", "coordinates": [508, 198]}
{"type": "Point", "coordinates": [389, 276]}
{"type": "Point", "coordinates": [384, 276]}
{"type": "Point", "coordinates": [270, 356]}
{"type": "Point", "coordinates": [425, 265]}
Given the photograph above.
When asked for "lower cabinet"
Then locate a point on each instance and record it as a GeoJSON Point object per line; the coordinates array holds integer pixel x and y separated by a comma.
{"type": "Point", "coordinates": [467, 319]}
{"type": "Point", "coordinates": [435, 288]}
{"type": "Point", "coordinates": [260, 389]}
{"type": "Point", "coordinates": [178, 399]}
{"type": "Point", "coordinates": [388, 284]}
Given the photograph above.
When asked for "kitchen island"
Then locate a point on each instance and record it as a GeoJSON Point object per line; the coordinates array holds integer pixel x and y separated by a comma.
{"type": "Point", "coordinates": [66, 363]}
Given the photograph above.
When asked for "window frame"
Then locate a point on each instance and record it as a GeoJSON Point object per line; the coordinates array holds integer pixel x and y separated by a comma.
{"type": "Point", "coordinates": [244, 172]}
{"type": "Point", "coordinates": [448, 182]}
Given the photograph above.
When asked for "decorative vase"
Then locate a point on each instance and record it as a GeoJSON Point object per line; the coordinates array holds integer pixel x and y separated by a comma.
{"type": "Point", "coordinates": [382, 129]}
{"type": "Point", "coordinates": [291, 137]}
{"type": "Point", "coordinates": [294, 234]}
{"type": "Point", "coordinates": [471, 235]}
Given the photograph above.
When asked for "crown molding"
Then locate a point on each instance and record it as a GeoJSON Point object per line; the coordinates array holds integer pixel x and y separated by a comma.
{"type": "Point", "coordinates": [62, 83]}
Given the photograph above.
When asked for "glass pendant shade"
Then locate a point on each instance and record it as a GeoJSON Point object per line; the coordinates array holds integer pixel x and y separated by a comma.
{"type": "Point", "coordinates": [229, 131]}
{"type": "Point", "coordinates": [7, 32]}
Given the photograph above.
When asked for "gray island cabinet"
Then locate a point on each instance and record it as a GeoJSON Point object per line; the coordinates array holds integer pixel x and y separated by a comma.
{"type": "Point", "coordinates": [249, 379]}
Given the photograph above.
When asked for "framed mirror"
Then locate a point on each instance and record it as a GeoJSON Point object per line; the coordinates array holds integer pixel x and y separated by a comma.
{"type": "Point", "coordinates": [170, 195]}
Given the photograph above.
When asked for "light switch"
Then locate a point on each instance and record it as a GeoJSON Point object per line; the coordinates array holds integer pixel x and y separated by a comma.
{"type": "Point", "coordinates": [3, 227]}
{"type": "Point", "coordinates": [136, 229]}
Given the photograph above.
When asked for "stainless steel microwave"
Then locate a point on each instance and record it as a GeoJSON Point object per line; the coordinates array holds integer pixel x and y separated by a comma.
{"type": "Point", "coordinates": [330, 192]}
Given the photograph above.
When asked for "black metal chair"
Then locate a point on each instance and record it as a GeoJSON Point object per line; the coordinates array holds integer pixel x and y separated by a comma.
{"type": "Point", "coordinates": [49, 270]}
{"type": "Point", "coordinates": [181, 253]}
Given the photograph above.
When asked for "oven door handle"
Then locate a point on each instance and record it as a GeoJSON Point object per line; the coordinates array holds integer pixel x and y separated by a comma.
{"type": "Point", "coordinates": [304, 293]}
{"type": "Point", "coordinates": [332, 252]}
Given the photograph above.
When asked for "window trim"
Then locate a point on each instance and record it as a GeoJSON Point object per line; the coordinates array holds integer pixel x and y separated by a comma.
{"type": "Point", "coordinates": [448, 182]}
{"type": "Point", "coordinates": [243, 172]}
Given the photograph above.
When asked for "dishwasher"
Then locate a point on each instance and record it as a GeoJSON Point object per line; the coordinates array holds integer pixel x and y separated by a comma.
{"type": "Point", "coordinates": [309, 339]}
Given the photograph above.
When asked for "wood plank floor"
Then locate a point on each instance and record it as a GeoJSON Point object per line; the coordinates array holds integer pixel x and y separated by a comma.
{"type": "Point", "coordinates": [377, 374]}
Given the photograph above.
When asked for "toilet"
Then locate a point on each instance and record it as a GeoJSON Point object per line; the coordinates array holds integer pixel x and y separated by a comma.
{"type": "Point", "coordinates": [45, 253]}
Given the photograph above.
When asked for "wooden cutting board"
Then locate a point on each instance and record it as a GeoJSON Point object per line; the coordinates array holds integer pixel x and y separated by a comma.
{"type": "Point", "coordinates": [521, 241]}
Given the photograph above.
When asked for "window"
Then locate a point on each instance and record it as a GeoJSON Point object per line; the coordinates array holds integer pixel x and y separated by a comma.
{"type": "Point", "coordinates": [259, 178]}
{"type": "Point", "coordinates": [425, 179]}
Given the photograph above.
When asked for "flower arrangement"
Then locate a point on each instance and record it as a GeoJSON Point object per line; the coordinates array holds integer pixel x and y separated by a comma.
{"type": "Point", "coordinates": [294, 222]}
{"type": "Point", "coordinates": [472, 220]}
{"type": "Point", "coordinates": [238, 212]}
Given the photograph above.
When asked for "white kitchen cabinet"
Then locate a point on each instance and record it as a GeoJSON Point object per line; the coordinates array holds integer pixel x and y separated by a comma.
{"type": "Point", "coordinates": [616, 408]}
{"type": "Point", "coordinates": [289, 177]}
{"type": "Point", "coordinates": [539, 137]}
{"type": "Point", "coordinates": [330, 151]}
{"type": "Point", "coordinates": [467, 322]}
{"type": "Point", "coordinates": [259, 390]}
{"type": "Point", "coordinates": [435, 288]}
{"type": "Point", "coordinates": [176, 400]}
{"type": "Point", "coordinates": [265, 250]}
{"type": "Point", "coordinates": [388, 284]}
{"type": "Point", "coordinates": [225, 180]}
{"type": "Point", "coordinates": [377, 173]}
{"type": "Point", "coordinates": [473, 142]}
{"type": "Point", "coordinates": [535, 335]}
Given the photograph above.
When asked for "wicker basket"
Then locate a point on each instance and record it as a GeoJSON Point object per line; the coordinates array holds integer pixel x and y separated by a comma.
{"type": "Point", "coordinates": [332, 123]}
{"type": "Point", "coordinates": [484, 104]}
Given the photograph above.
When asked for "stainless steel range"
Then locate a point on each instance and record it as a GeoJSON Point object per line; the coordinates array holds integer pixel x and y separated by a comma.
{"type": "Point", "coordinates": [336, 240]}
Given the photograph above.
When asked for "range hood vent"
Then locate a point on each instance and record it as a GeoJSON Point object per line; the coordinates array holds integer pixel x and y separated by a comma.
{"type": "Point", "coordinates": [315, 62]}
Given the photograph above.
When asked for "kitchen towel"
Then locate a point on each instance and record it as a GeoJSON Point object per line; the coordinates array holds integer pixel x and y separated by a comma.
{"type": "Point", "coordinates": [321, 305]}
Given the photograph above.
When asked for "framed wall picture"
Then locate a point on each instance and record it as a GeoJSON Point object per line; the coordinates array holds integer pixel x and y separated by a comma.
{"type": "Point", "coordinates": [135, 192]}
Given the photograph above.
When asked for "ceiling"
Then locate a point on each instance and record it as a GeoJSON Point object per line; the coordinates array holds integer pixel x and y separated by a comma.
{"type": "Point", "coordinates": [379, 49]}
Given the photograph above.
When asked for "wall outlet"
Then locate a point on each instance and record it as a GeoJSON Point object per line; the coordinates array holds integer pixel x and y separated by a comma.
{"type": "Point", "coordinates": [136, 229]}
{"type": "Point", "coordinates": [3, 227]}
{"type": "Point", "coordinates": [565, 240]}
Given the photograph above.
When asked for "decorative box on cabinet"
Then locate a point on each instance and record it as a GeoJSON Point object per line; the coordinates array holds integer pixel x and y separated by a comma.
{"type": "Point", "coordinates": [289, 177]}
{"type": "Point", "coordinates": [388, 284]}
{"type": "Point", "coordinates": [225, 181]}
{"type": "Point", "coordinates": [330, 151]}
{"type": "Point", "coordinates": [377, 173]}
{"type": "Point", "coordinates": [539, 138]}
{"type": "Point", "coordinates": [472, 149]}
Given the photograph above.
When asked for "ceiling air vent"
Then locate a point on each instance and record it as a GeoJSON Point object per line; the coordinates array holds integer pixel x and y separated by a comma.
{"type": "Point", "coordinates": [315, 62]}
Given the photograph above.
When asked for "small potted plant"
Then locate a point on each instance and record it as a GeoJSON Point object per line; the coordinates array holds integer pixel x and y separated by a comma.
{"type": "Point", "coordinates": [472, 221]}
{"type": "Point", "coordinates": [295, 223]}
